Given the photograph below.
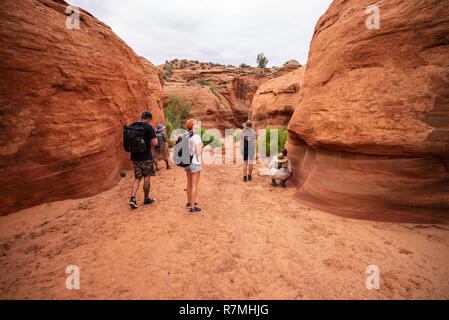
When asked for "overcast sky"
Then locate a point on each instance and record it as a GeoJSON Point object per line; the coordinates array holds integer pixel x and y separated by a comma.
{"type": "Point", "coordinates": [226, 32]}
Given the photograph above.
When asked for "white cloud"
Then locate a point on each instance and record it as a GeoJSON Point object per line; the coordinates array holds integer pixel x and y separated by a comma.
{"type": "Point", "coordinates": [228, 32]}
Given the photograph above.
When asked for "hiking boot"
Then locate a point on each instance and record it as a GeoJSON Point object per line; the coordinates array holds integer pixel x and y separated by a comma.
{"type": "Point", "coordinates": [149, 201]}
{"type": "Point", "coordinates": [168, 167]}
{"type": "Point", "coordinates": [245, 179]}
{"type": "Point", "coordinates": [133, 203]}
{"type": "Point", "coordinates": [157, 169]}
{"type": "Point", "coordinates": [273, 183]}
{"type": "Point", "coordinates": [283, 184]}
{"type": "Point", "coordinates": [194, 210]}
{"type": "Point", "coordinates": [250, 178]}
{"type": "Point", "coordinates": [189, 205]}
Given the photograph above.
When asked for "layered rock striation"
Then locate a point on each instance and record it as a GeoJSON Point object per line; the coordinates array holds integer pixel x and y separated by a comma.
{"type": "Point", "coordinates": [369, 138]}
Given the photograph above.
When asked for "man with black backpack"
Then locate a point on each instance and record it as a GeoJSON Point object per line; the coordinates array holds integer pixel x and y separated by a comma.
{"type": "Point", "coordinates": [138, 139]}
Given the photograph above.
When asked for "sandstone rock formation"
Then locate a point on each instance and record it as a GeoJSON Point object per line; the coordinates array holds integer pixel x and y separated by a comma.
{"type": "Point", "coordinates": [211, 108]}
{"type": "Point", "coordinates": [370, 136]}
{"type": "Point", "coordinates": [155, 89]}
{"type": "Point", "coordinates": [275, 100]}
{"type": "Point", "coordinates": [236, 85]}
{"type": "Point", "coordinates": [64, 97]}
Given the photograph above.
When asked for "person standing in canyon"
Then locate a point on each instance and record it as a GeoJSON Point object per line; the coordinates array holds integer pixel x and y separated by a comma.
{"type": "Point", "coordinates": [248, 145]}
{"type": "Point", "coordinates": [162, 147]}
{"type": "Point", "coordinates": [143, 162]}
{"type": "Point", "coordinates": [193, 171]}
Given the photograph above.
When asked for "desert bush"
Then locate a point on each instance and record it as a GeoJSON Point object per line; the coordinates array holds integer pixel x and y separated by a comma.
{"type": "Point", "coordinates": [123, 174]}
{"type": "Point", "coordinates": [237, 134]}
{"type": "Point", "coordinates": [266, 139]}
{"type": "Point", "coordinates": [262, 61]}
{"type": "Point", "coordinates": [209, 138]}
{"type": "Point", "coordinates": [244, 65]}
{"type": "Point", "coordinates": [176, 113]}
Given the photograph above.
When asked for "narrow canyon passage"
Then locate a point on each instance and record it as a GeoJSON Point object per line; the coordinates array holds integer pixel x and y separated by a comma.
{"type": "Point", "coordinates": [251, 241]}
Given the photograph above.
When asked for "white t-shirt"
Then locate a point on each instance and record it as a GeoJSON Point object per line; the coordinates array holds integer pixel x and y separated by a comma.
{"type": "Point", "coordinates": [194, 141]}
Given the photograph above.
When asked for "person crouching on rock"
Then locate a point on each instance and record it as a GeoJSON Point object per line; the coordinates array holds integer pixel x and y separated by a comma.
{"type": "Point", "coordinates": [248, 141]}
{"type": "Point", "coordinates": [281, 169]}
{"type": "Point", "coordinates": [143, 162]}
{"type": "Point", "coordinates": [161, 147]}
{"type": "Point", "coordinates": [193, 171]}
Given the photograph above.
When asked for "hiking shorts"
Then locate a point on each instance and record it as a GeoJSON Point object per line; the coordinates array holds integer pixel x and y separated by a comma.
{"type": "Point", "coordinates": [158, 151]}
{"type": "Point", "coordinates": [193, 168]}
{"type": "Point", "coordinates": [144, 169]}
{"type": "Point", "coordinates": [249, 155]}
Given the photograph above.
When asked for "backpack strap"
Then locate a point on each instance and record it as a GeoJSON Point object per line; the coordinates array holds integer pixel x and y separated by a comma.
{"type": "Point", "coordinates": [194, 150]}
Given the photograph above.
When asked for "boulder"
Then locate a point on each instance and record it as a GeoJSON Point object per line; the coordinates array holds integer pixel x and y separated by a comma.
{"type": "Point", "coordinates": [370, 136]}
{"type": "Point", "coordinates": [275, 100]}
{"type": "Point", "coordinates": [65, 95]}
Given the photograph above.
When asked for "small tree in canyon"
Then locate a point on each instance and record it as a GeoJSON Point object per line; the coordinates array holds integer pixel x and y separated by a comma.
{"type": "Point", "coordinates": [262, 61]}
{"type": "Point", "coordinates": [176, 113]}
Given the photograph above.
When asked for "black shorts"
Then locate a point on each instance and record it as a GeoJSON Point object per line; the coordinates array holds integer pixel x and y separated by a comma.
{"type": "Point", "coordinates": [248, 155]}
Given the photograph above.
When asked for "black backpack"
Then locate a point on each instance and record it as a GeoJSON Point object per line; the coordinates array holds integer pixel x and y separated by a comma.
{"type": "Point", "coordinates": [134, 138]}
{"type": "Point", "coordinates": [181, 152]}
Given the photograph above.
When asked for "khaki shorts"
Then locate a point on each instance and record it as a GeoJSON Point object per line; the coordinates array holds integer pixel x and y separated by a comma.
{"type": "Point", "coordinates": [158, 151]}
{"type": "Point", "coordinates": [143, 168]}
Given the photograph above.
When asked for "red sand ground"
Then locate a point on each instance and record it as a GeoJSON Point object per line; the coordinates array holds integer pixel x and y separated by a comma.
{"type": "Point", "coordinates": [250, 242]}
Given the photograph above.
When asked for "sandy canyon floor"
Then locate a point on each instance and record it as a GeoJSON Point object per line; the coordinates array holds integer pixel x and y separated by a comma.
{"type": "Point", "coordinates": [251, 241]}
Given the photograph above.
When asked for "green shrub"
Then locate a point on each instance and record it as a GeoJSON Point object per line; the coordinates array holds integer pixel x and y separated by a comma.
{"type": "Point", "coordinates": [176, 113]}
{"type": "Point", "coordinates": [169, 129]}
{"type": "Point", "coordinates": [265, 139]}
{"type": "Point", "coordinates": [211, 86]}
{"type": "Point", "coordinates": [244, 65]}
{"type": "Point", "coordinates": [262, 61]}
{"type": "Point", "coordinates": [123, 174]}
{"type": "Point", "coordinates": [209, 138]}
{"type": "Point", "coordinates": [237, 134]}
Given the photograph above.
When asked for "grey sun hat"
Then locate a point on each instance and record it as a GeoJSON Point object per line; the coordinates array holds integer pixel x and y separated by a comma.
{"type": "Point", "coordinates": [160, 127]}
{"type": "Point", "coordinates": [248, 124]}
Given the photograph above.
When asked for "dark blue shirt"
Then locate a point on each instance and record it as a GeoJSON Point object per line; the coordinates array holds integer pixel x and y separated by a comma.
{"type": "Point", "coordinates": [149, 135]}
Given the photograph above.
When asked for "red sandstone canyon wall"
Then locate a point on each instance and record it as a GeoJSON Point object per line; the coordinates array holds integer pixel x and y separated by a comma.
{"type": "Point", "coordinates": [369, 138]}
{"type": "Point", "coordinates": [211, 108]}
{"type": "Point", "coordinates": [236, 85]}
{"type": "Point", "coordinates": [275, 100]}
{"type": "Point", "coordinates": [64, 97]}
